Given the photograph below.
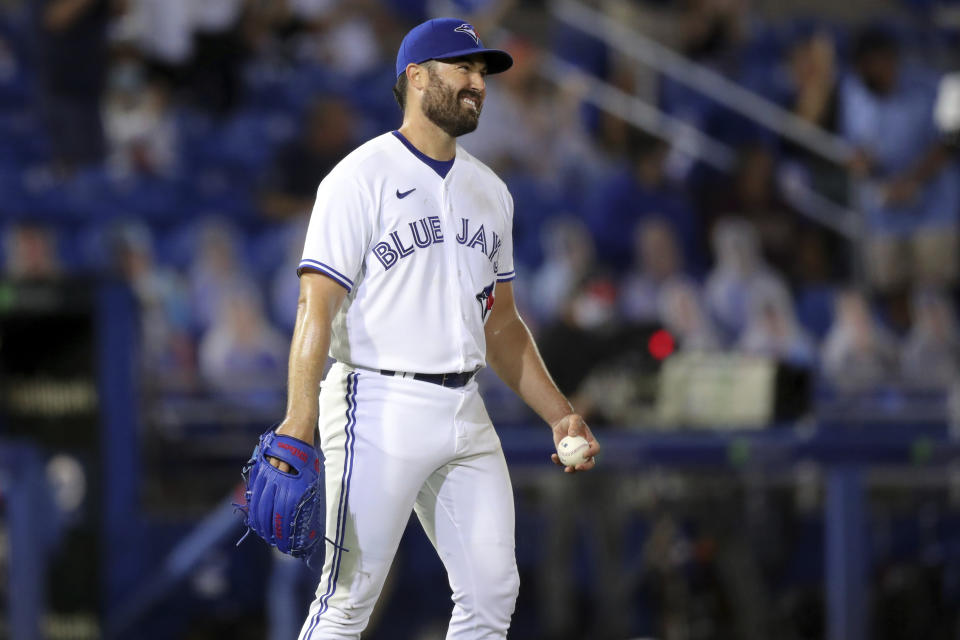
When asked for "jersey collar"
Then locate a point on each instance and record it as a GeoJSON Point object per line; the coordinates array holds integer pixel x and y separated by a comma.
{"type": "Point", "coordinates": [441, 167]}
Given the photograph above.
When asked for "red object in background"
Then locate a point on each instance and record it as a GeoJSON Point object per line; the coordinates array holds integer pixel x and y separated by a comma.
{"type": "Point", "coordinates": [661, 344]}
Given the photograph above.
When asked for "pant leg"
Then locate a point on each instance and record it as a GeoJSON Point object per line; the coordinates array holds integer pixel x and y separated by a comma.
{"type": "Point", "coordinates": [466, 508]}
{"type": "Point", "coordinates": [379, 444]}
{"type": "Point", "coordinates": [935, 257]}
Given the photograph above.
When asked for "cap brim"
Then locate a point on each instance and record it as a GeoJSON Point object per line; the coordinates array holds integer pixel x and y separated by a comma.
{"type": "Point", "coordinates": [497, 61]}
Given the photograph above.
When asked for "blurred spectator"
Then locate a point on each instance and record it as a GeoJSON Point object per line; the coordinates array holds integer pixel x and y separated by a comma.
{"type": "Point", "coordinates": [241, 353]}
{"type": "Point", "coordinates": [168, 353]}
{"type": "Point", "coordinates": [219, 53]}
{"type": "Point", "coordinates": [738, 276]}
{"type": "Point", "coordinates": [912, 198]}
{"type": "Point", "coordinates": [216, 269]}
{"type": "Point", "coordinates": [712, 29]}
{"type": "Point", "coordinates": [931, 352]}
{"type": "Point", "coordinates": [163, 31]}
{"type": "Point", "coordinates": [683, 314]}
{"type": "Point", "coordinates": [858, 352]}
{"type": "Point", "coordinates": [30, 252]}
{"type": "Point", "coordinates": [298, 168]}
{"type": "Point", "coordinates": [773, 331]}
{"type": "Point", "coordinates": [657, 263]}
{"type": "Point", "coordinates": [752, 195]}
{"type": "Point", "coordinates": [813, 74]}
{"type": "Point", "coordinates": [641, 190]}
{"type": "Point", "coordinates": [814, 96]}
{"type": "Point", "coordinates": [338, 34]}
{"type": "Point", "coordinates": [569, 257]}
{"type": "Point", "coordinates": [140, 128]}
{"type": "Point", "coordinates": [69, 92]}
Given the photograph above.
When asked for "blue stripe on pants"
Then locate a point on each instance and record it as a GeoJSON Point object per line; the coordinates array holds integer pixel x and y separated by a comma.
{"type": "Point", "coordinates": [344, 500]}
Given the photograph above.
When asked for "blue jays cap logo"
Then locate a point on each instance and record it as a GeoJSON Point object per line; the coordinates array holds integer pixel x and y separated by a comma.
{"type": "Point", "coordinates": [440, 38]}
{"type": "Point", "coordinates": [470, 31]}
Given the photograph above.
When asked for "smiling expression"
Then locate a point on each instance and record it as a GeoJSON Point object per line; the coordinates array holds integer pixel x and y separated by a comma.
{"type": "Point", "coordinates": [454, 96]}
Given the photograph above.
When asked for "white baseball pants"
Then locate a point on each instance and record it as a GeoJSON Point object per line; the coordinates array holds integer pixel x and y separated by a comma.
{"type": "Point", "coordinates": [394, 444]}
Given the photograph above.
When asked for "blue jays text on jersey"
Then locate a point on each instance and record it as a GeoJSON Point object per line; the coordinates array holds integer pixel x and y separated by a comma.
{"type": "Point", "coordinates": [424, 232]}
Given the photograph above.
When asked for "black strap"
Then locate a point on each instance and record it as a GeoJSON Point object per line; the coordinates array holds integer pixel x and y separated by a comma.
{"type": "Point", "coordinates": [451, 380]}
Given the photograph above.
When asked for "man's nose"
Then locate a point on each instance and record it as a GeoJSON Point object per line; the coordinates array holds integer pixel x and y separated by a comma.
{"type": "Point", "coordinates": [477, 82]}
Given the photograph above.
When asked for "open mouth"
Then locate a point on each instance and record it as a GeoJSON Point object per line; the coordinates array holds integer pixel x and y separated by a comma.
{"type": "Point", "coordinates": [471, 102]}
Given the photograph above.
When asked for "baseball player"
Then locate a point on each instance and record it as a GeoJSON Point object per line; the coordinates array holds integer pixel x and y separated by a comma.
{"type": "Point", "coordinates": [406, 281]}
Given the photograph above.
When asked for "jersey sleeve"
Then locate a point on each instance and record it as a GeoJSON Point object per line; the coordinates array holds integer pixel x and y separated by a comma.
{"type": "Point", "coordinates": [505, 270]}
{"type": "Point", "coordinates": [339, 231]}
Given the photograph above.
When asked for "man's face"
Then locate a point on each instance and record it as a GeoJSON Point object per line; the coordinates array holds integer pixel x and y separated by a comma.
{"type": "Point", "coordinates": [454, 96]}
{"type": "Point", "coordinates": [878, 70]}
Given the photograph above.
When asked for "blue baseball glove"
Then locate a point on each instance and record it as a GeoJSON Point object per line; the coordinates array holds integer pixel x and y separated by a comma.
{"type": "Point", "coordinates": [287, 509]}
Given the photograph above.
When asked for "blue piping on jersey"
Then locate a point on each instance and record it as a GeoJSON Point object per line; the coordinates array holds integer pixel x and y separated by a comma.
{"type": "Point", "coordinates": [340, 279]}
{"type": "Point", "coordinates": [441, 167]}
{"type": "Point", "coordinates": [506, 277]}
{"type": "Point", "coordinates": [344, 505]}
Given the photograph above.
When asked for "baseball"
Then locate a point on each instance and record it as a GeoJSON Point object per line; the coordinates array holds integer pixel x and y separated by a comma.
{"type": "Point", "coordinates": [573, 450]}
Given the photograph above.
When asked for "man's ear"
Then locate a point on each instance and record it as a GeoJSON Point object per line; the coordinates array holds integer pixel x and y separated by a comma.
{"type": "Point", "coordinates": [417, 76]}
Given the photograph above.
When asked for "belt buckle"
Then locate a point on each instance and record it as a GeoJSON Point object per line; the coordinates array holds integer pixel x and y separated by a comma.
{"type": "Point", "coordinates": [443, 380]}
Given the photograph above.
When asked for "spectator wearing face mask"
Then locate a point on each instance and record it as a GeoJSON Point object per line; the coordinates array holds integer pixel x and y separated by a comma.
{"type": "Point", "coordinates": [139, 124]}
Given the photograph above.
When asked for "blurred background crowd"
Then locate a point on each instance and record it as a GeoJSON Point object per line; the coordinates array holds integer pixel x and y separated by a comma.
{"type": "Point", "coordinates": [177, 145]}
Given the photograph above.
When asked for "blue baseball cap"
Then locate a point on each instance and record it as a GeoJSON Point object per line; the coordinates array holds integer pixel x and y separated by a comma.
{"type": "Point", "coordinates": [442, 38]}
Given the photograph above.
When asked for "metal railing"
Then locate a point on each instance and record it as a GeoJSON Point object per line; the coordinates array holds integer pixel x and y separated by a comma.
{"type": "Point", "coordinates": [689, 140]}
{"type": "Point", "coordinates": [685, 137]}
{"type": "Point", "coordinates": [712, 84]}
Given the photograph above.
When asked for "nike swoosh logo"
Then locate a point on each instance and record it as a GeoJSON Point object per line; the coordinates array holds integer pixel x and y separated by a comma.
{"type": "Point", "coordinates": [405, 193]}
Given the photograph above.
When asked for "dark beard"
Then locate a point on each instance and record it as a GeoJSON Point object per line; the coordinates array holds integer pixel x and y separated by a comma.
{"type": "Point", "coordinates": [443, 108]}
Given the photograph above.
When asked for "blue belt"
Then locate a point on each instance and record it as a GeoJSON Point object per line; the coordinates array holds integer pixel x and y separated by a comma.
{"type": "Point", "coordinates": [451, 380]}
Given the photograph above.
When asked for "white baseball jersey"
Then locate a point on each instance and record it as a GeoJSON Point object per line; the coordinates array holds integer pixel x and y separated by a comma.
{"type": "Point", "coordinates": [419, 245]}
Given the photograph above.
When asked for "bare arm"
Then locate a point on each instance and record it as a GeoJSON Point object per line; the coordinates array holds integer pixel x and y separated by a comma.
{"type": "Point", "coordinates": [320, 298]}
{"type": "Point", "coordinates": [513, 355]}
{"type": "Point", "coordinates": [905, 187]}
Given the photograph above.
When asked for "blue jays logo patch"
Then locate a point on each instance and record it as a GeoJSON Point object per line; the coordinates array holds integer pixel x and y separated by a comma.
{"type": "Point", "coordinates": [485, 298]}
{"type": "Point", "coordinates": [470, 31]}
